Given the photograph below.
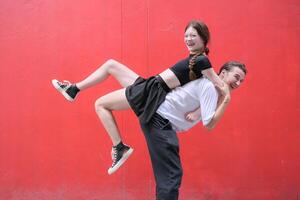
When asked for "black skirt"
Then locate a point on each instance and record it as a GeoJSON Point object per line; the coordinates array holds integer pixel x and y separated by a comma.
{"type": "Point", "coordinates": [146, 95]}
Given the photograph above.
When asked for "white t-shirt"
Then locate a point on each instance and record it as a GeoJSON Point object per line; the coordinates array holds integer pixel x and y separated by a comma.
{"type": "Point", "coordinates": [182, 100]}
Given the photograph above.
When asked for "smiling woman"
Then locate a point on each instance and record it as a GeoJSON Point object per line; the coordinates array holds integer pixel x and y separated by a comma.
{"type": "Point", "coordinates": [196, 37]}
{"type": "Point", "coordinates": [144, 96]}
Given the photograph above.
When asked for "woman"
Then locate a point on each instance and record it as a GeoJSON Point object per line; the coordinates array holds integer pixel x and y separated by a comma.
{"type": "Point", "coordinates": [144, 95]}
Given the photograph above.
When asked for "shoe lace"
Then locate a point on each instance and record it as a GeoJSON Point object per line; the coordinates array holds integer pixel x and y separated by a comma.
{"type": "Point", "coordinates": [65, 82]}
{"type": "Point", "coordinates": [114, 155]}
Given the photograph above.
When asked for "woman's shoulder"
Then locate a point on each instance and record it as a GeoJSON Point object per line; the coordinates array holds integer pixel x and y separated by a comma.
{"type": "Point", "coordinates": [202, 58]}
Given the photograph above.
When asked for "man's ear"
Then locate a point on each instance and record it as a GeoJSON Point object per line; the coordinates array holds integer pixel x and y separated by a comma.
{"type": "Point", "coordinates": [223, 72]}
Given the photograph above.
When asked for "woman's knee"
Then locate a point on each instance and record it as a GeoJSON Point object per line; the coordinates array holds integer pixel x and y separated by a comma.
{"type": "Point", "coordinates": [99, 105]}
{"type": "Point", "coordinates": [110, 61]}
{"type": "Point", "coordinates": [112, 64]}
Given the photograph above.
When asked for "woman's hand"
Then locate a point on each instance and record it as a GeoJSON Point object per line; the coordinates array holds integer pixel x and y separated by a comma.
{"type": "Point", "coordinates": [214, 78]}
{"type": "Point", "coordinates": [224, 91]}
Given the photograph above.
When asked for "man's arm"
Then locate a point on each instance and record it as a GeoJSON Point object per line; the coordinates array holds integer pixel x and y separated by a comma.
{"type": "Point", "coordinates": [222, 105]}
{"type": "Point", "coordinates": [219, 113]}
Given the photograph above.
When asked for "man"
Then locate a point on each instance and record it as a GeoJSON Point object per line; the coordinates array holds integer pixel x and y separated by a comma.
{"type": "Point", "coordinates": [208, 105]}
{"type": "Point", "coordinates": [199, 98]}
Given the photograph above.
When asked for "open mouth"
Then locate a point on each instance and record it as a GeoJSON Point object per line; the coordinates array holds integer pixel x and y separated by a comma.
{"type": "Point", "coordinates": [190, 45]}
{"type": "Point", "coordinates": [233, 86]}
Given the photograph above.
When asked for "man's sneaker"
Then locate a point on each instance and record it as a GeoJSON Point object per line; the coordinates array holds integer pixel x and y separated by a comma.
{"type": "Point", "coordinates": [119, 157]}
{"type": "Point", "coordinates": [68, 90]}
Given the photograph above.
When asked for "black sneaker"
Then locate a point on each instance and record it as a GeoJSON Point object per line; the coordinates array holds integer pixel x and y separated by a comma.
{"type": "Point", "coordinates": [119, 157]}
{"type": "Point", "coordinates": [66, 89]}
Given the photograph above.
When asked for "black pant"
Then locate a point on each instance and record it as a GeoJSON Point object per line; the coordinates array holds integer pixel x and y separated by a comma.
{"type": "Point", "coordinates": [163, 147]}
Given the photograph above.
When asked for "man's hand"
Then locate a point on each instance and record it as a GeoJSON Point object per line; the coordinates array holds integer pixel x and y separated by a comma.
{"type": "Point", "coordinates": [191, 117]}
{"type": "Point", "coordinates": [194, 115]}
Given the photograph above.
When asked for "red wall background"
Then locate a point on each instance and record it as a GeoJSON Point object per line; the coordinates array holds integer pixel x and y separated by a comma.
{"type": "Point", "coordinates": [53, 149]}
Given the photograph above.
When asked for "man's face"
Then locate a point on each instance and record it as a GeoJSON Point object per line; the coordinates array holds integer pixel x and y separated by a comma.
{"type": "Point", "coordinates": [233, 78]}
{"type": "Point", "coordinates": [193, 41]}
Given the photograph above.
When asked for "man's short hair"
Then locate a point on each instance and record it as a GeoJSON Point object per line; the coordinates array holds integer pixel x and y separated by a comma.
{"type": "Point", "coordinates": [231, 64]}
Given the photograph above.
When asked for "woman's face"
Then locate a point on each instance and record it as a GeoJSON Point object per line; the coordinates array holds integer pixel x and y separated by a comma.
{"type": "Point", "coordinates": [193, 41]}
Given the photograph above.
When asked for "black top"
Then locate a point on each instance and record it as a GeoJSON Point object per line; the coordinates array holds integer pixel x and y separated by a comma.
{"type": "Point", "coordinates": [181, 69]}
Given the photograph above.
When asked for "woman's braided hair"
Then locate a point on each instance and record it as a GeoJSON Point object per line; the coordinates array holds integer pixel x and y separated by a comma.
{"type": "Point", "coordinates": [203, 32]}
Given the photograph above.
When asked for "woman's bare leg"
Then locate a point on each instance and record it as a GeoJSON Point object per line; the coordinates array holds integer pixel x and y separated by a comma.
{"type": "Point", "coordinates": [104, 105]}
{"type": "Point", "coordinates": [122, 73]}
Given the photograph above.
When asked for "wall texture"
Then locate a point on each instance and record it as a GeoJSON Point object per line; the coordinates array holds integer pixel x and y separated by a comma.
{"type": "Point", "coordinates": [53, 149]}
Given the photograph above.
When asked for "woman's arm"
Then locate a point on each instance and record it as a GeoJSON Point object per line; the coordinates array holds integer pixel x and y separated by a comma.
{"type": "Point", "coordinates": [213, 77]}
{"type": "Point", "coordinates": [222, 105]}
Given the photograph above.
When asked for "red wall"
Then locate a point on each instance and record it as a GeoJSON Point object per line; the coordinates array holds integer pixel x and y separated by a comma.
{"type": "Point", "coordinates": [53, 149]}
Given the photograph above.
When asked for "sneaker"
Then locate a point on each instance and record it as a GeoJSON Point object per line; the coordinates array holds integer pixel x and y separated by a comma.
{"type": "Point", "coordinates": [119, 157]}
{"type": "Point", "coordinates": [65, 88]}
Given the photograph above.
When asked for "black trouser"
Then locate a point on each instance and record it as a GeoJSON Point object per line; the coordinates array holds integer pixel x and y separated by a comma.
{"type": "Point", "coordinates": [163, 147]}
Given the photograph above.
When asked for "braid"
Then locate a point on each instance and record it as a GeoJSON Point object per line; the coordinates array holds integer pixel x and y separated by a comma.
{"type": "Point", "coordinates": [192, 74]}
